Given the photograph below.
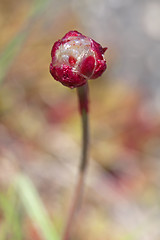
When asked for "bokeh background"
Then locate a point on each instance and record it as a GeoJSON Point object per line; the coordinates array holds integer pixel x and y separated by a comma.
{"type": "Point", "coordinates": [40, 127]}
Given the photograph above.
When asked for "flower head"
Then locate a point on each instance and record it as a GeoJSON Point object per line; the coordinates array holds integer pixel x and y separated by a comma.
{"type": "Point", "coordinates": [75, 59]}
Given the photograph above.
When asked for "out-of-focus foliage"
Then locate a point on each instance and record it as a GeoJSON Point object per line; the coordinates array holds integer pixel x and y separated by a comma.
{"type": "Point", "coordinates": [40, 125]}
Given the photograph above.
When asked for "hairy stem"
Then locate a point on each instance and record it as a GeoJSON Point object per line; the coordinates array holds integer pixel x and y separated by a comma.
{"type": "Point", "coordinates": [83, 106]}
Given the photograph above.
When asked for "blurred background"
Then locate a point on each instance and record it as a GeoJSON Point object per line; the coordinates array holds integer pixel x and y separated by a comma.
{"type": "Point", "coordinates": [40, 127]}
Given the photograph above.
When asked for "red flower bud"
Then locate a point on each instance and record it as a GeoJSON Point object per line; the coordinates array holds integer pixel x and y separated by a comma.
{"type": "Point", "coordinates": [75, 59]}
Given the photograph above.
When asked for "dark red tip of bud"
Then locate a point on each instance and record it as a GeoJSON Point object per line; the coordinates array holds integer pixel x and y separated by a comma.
{"type": "Point", "coordinates": [104, 49]}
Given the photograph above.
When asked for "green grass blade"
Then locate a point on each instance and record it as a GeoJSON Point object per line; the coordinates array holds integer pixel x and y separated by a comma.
{"type": "Point", "coordinates": [11, 224]}
{"type": "Point", "coordinates": [38, 7]}
{"type": "Point", "coordinates": [13, 47]}
{"type": "Point", "coordinates": [34, 207]}
{"type": "Point", "coordinates": [9, 53]}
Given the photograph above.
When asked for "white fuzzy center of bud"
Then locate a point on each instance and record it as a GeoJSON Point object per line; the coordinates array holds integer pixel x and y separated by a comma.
{"type": "Point", "coordinates": [73, 52]}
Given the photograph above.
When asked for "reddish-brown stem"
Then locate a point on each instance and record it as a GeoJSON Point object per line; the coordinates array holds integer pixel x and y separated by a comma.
{"type": "Point", "coordinates": [83, 105]}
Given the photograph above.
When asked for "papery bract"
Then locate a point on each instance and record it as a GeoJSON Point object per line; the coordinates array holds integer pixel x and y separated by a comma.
{"type": "Point", "coordinates": [76, 58]}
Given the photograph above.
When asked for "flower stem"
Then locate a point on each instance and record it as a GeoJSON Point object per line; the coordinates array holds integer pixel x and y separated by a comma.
{"type": "Point", "coordinates": [77, 198]}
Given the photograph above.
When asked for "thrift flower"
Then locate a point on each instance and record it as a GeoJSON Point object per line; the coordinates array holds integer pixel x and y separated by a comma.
{"type": "Point", "coordinates": [75, 59]}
